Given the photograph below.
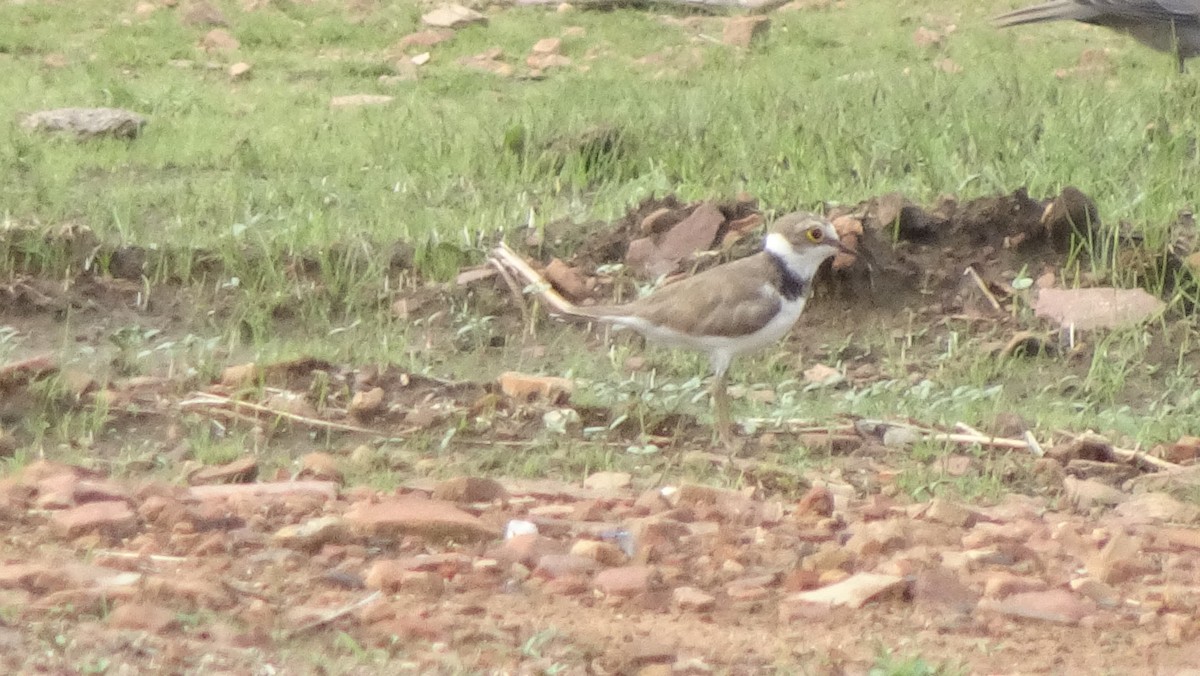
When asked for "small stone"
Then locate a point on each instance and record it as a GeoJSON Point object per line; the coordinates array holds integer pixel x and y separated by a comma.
{"type": "Point", "coordinates": [239, 70]}
{"type": "Point", "coordinates": [418, 516]}
{"type": "Point", "coordinates": [1178, 627]}
{"type": "Point", "coordinates": [469, 490]}
{"type": "Point", "coordinates": [1002, 584]}
{"type": "Point", "coordinates": [524, 387]}
{"type": "Point", "coordinates": [1157, 507]}
{"type": "Point", "coordinates": [242, 470]}
{"type": "Point", "coordinates": [555, 566]}
{"type": "Point", "coordinates": [143, 617]}
{"type": "Point", "coordinates": [1185, 538]}
{"type": "Point", "coordinates": [818, 501]}
{"type": "Point", "coordinates": [693, 599]}
{"type": "Point", "coordinates": [112, 519]}
{"type": "Point", "coordinates": [547, 46]}
{"type": "Point", "coordinates": [312, 534]}
{"type": "Point", "coordinates": [604, 553]}
{"type": "Point", "coordinates": [453, 16]}
{"type": "Point", "coordinates": [854, 591]}
{"type": "Point", "coordinates": [1102, 594]}
{"type": "Point", "coordinates": [320, 466]}
{"type": "Point", "coordinates": [1085, 494]}
{"type": "Point", "coordinates": [1056, 605]}
{"type": "Point", "coordinates": [626, 580]}
{"type": "Point", "coordinates": [925, 37]}
{"type": "Point", "coordinates": [608, 481]}
{"type": "Point", "coordinates": [421, 59]}
{"type": "Point", "coordinates": [1095, 308]}
{"type": "Point", "coordinates": [240, 375]}
{"type": "Point", "coordinates": [1120, 560]}
{"type": "Point", "coordinates": [219, 40]}
{"type": "Point", "coordinates": [568, 280]}
{"type": "Point", "coordinates": [742, 31]}
{"type": "Point", "coordinates": [367, 404]}
{"type": "Point", "coordinates": [425, 38]}
{"type": "Point", "coordinates": [951, 514]}
{"type": "Point", "coordinates": [901, 437]}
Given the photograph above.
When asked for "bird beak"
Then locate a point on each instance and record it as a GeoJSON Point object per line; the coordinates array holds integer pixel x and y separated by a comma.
{"type": "Point", "coordinates": [857, 253]}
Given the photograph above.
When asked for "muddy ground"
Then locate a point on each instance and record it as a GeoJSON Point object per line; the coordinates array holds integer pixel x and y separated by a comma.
{"type": "Point", "coordinates": [159, 562]}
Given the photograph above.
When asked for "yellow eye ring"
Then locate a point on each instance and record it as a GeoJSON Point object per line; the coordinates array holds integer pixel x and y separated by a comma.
{"type": "Point", "coordinates": [815, 235]}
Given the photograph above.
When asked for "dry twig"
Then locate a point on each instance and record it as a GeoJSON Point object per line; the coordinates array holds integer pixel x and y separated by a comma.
{"type": "Point", "coordinates": [211, 402]}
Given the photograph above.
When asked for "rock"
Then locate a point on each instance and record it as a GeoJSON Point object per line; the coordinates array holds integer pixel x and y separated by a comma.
{"type": "Point", "coordinates": [239, 70]}
{"type": "Point", "coordinates": [1100, 593]}
{"type": "Point", "coordinates": [695, 233]}
{"type": "Point", "coordinates": [528, 549]}
{"type": "Point", "coordinates": [555, 566]}
{"type": "Point", "coordinates": [604, 553]}
{"type": "Point", "coordinates": [854, 591]}
{"type": "Point", "coordinates": [453, 16]}
{"type": "Point", "coordinates": [742, 31]}
{"type": "Point", "coordinates": [818, 502]}
{"type": "Point", "coordinates": [367, 404]}
{"type": "Point", "coordinates": [87, 123]}
{"type": "Point", "coordinates": [219, 40]}
{"type": "Point", "coordinates": [278, 490]}
{"type": "Point", "coordinates": [626, 580]}
{"type": "Point", "coordinates": [143, 617]}
{"type": "Point", "coordinates": [360, 100]}
{"type": "Point", "coordinates": [1002, 584]}
{"type": "Point", "coordinates": [469, 490]}
{"type": "Point", "coordinates": [113, 519]}
{"type": "Point", "coordinates": [313, 534]}
{"type": "Point", "coordinates": [878, 538]}
{"type": "Point", "coordinates": [608, 481]}
{"type": "Point", "coordinates": [242, 470]}
{"type": "Point", "coordinates": [412, 515]}
{"type": "Point", "coordinates": [320, 467]}
{"type": "Point", "coordinates": [568, 280]}
{"type": "Point", "coordinates": [1157, 507]}
{"type": "Point", "coordinates": [1085, 494]}
{"type": "Point", "coordinates": [1186, 450]}
{"type": "Point", "coordinates": [820, 374]}
{"type": "Point", "coordinates": [488, 62]}
{"type": "Point", "coordinates": [1120, 559]}
{"type": "Point", "coordinates": [524, 387]}
{"type": "Point", "coordinates": [693, 599]}
{"type": "Point", "coordinates": [1056, 605]}
{"type": "Point", "coordinates": [924, 37]}
{"type": "Point", "coordinates": [424, 39]}
{"type": "Point", "coordinates": [390, 576]}
{"type": "Point", "coordinates": [240, 375]}
{"type": "Point", "coordinates": [1097, 308]}
{"type": "Point", "coordinates": [941, 588]}
{"type": "Point", "coordinates": [546, 46]}
{"type": "Point", "coordinates": [1185, 538]}
{"type": "Point", "coordinates": [951, 514]}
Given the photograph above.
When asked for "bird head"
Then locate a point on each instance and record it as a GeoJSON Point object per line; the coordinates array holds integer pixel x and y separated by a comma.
{"type": "Point", "coordinates": [803, 241]}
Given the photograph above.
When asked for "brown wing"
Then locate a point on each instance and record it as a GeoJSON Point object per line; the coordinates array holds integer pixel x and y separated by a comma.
{"type": "Point", "coordinates": [728, 300]}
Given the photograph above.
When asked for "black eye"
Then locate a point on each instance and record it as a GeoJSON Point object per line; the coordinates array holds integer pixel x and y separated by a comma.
{"type": "Point", "coordinates": [815, 235]}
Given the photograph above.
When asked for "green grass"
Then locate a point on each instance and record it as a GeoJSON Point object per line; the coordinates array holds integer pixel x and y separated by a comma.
{"type": "Point", "coordinates": [235, 182]}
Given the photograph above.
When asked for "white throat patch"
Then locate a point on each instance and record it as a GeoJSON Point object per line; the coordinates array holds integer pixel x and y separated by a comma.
{"type": "Point", "coordinates": [802, 264]}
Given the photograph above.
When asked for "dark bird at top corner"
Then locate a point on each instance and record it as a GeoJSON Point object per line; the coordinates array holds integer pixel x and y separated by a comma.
{"type": "Point", "coordinates": [1171, 26]}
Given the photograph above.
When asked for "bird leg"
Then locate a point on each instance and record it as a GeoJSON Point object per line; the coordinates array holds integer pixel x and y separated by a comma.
{"type": "Point", "coordinates": [722, 423]}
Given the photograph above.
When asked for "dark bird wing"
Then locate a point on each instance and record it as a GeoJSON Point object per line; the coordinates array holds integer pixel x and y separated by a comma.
{"type": "Point", "coordinates": [1101, 11]}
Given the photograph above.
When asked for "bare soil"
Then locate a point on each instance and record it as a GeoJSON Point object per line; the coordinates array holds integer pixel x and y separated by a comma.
{"type": "Point", "coordinates": [1052, 581]}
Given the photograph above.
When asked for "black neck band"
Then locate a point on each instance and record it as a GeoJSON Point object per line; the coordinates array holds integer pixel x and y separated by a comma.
{"type": "Point", "coordinates": [791, 287]}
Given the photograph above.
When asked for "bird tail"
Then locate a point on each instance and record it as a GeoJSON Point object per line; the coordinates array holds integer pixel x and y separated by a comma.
{"type": "Point", "coordinates": [1049, 11]}
{"type": "Point", "coordinates": [511, 264]}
